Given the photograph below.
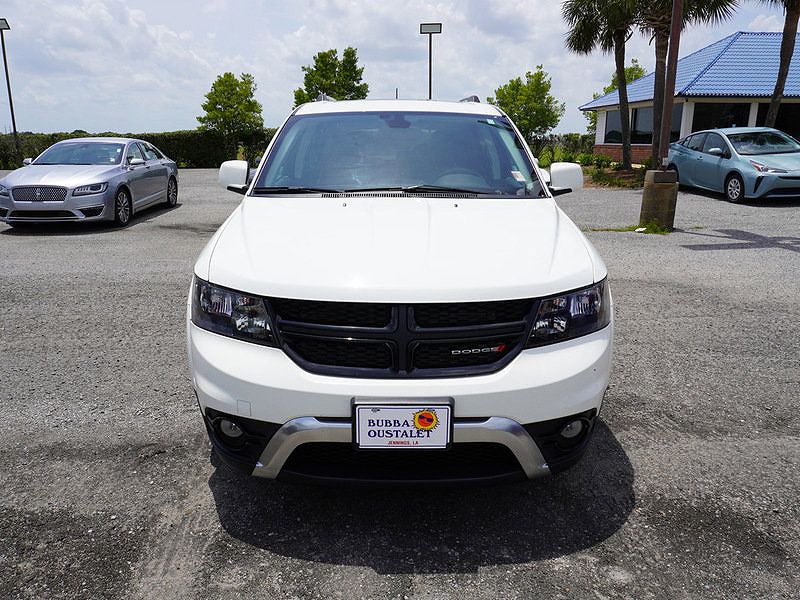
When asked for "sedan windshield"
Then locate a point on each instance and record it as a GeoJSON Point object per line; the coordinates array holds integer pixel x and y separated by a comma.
{"type": "Point", "coordinates": [763, 142]}
{"type": "Point", "coordinates": [82, 153]}
{"type": "Point", "coordinates": [415, 152]}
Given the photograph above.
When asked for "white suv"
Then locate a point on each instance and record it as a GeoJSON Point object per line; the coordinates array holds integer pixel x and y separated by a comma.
{"type": "Point", "coordinates": [398, 298]}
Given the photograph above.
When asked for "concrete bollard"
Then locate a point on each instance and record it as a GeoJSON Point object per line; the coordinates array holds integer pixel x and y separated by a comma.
{"type": "Point", "coordinates": [659, 197]}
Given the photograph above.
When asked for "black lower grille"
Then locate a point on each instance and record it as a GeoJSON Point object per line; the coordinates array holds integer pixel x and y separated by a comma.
{"type": "Point", "coordinates": [41, 214]}
{"type": "Point", "coordinates": [343, 461]}
{"type": "Point", "coordinates": [402, 340]}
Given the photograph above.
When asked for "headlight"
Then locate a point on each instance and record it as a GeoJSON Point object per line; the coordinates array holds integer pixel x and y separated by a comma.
{"type": "Point", "coordinates": [231, 313]}
{"type": "Point", "coordinates": [765, 169]}
{"type": "Point", "coordinates": [571, 315]}
{"type": "Point", "coordinates": [85, 190]}
{"type": "Point", "coordinates": [3, 191]}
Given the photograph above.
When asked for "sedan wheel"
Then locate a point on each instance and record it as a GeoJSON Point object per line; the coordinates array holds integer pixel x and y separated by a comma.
{"type": "Point", "coordinates": [172, 192]}
{"type": "Point", "coordinates": [122, 209]}
{"type": "Point", "coordinates": [734, 188]}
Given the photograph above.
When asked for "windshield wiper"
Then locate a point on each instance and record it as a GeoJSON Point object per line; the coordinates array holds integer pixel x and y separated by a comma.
{"type": "Point", "coordinates": [294, 189]}
{"type": "Point", "coordinates": [422, 188]}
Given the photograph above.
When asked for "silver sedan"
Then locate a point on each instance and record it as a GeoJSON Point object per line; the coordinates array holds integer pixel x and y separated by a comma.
{"type": "Point", "coordinates": [89, 179]}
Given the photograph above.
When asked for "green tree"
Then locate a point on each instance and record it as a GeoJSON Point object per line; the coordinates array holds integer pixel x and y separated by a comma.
{"type": "Point", "coordinates": [607, 25]}
{"type": "Point", "coordinates": [530, 104]}
{"type": "Point", "coordinates": [632, 73]}
{"type": "Point", "coordinates": [655, 19]}
{"type": "Point", "coordinates": [232, 111]}
{"type": "Point", "coordinates": [792, 10]}
{"type": "Point", "coordinates": [339, 79]}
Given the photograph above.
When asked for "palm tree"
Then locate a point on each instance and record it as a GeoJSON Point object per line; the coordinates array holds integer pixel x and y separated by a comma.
{"type": "Point", "coordinates": [655, 19]}
{"type": "Point", "coordinates": [606, 25]}
{"type": "Point", "coordinates": [792, 9]}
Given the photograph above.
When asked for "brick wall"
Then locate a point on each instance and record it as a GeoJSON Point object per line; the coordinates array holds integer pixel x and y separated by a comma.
{"type": "Point", "coordinates": [638, 151]}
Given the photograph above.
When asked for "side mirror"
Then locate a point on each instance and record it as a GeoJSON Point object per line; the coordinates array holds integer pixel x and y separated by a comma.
{"type": "Point", "coordinates": [135, 162]}
{"type": "Point", "coordinates": [26, 162]}
{"type": "Point", "coordinates": [565, 178]}
{"type": "Point", "coordinates": [716, 151]}
{"type": "Point", "coordinates": [233, 175]}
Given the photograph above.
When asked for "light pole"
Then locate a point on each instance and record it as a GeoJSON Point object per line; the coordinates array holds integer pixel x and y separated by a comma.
{"type": "Point", "coordinates": [3, 27]}
{"type": "Point", "coordinates": [430, 29]}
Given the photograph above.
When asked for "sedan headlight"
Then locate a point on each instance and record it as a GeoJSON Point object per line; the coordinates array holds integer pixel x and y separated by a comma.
{"type": "Point", "coordinates": [85, 190]}
{"type": "Point", "coordinates": [231, 313]}
{"type": "Point", "coordinates": [4, 191]}
{"type": "Point", "coordinates": [571, 315]}
{"type": "Point", "coordinates": [765, 169]}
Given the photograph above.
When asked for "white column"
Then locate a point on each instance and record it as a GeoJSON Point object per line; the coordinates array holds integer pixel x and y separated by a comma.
{"type": "Point", "coordinates": [686, 118]}
{"type": "Point", "coordinates": [600, 134]}
{"type": "Point", "coordinates": [753, 117]}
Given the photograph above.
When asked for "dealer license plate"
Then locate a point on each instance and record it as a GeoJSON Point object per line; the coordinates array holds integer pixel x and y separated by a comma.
{"type": "Point", "coordinates": [403, 426]}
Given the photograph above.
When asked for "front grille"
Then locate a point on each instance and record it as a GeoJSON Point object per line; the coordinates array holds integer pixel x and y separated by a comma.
{"type": "Point", "coordinates": [343, 461]}
{"type": "Point", "coordinates": [41, 214]}
{"type": "Point", "coordinates": [402, 340]}
{"type": "Point", "coordinates": [39, 193]}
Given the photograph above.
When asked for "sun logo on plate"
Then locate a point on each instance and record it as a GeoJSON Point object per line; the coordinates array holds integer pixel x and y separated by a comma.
{"type": "Point", "coordinates": [426, 419]}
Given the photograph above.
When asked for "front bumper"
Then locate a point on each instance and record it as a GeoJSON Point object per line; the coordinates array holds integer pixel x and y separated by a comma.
{"type": "Point", "coordinates": [94, 207]}
{"type": "Point", "coordinates": [288, 410]}
{"type": "Point", "coordinates": [776, 185]}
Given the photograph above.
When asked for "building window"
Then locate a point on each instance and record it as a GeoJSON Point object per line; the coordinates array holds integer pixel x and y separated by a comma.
{"type": "Point", "coordinates": [613, 128]}
{"type": "Point", "coordinates": [713, 115]}
{"type": "Point", "coordinates": [788, 118]}
{"type": "Point", "coordinates": [642, 124]}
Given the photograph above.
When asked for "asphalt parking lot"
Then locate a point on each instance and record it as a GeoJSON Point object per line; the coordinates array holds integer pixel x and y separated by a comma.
{"type": "Point", "coordinates": [689, 490]}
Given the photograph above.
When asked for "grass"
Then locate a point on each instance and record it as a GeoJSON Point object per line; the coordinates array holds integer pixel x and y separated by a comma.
{"type": "Point", "coordinates": [650, 227]}
{"type": "Point", "coordinates": [633, 179]}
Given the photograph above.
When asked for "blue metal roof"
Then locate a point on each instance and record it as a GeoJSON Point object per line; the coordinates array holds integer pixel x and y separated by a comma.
{"type": "Point", "coordinates": [742, 64]}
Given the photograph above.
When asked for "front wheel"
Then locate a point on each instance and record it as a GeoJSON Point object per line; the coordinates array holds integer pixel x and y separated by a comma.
{"type": "Point", "coordinates": [172, 192]}
{"type": "Point", "coordinates": [122, 209]}
{"type": "Point", "coordinates": [734, 188]}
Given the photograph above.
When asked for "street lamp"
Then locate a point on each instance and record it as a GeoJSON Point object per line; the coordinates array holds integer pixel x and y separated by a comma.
{"type": "Point", "coordinates": [430, 29]}
{"type": "Point", "coordinates": [3, 27]}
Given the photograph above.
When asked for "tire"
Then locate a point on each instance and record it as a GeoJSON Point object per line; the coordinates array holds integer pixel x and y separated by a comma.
{"type": "Point", "coordinates": [734, 188]}
{"type": "Point", "coordinates": [172, 192]}
{"type": "Point", "coordinates": [123, 209]}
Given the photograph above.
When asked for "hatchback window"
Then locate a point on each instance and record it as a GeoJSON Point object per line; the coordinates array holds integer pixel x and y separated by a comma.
{"type": "Point", "coordinates": [763, 142]}
{"type": "Point", "coordinates": [696, 142]}
{"type": "Point", "coordinates": [82, 153]}
{"type": "Point", "coordinates": [714, 141]}
{"type": "Point", "coordinates": [397, 150]}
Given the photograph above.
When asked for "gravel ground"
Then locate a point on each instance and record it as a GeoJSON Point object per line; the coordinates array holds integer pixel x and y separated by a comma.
{"type": "Point", "coordinates": [689, 490]}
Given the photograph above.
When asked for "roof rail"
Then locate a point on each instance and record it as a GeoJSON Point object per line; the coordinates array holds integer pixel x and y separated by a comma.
{"type": "Point", "coordinates": [472, 98]}
{"type": "Point", "coordinates": [323, 97]}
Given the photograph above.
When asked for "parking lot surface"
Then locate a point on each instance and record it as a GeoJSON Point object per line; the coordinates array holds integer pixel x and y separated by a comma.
{"type": "Point", "coordinates": [689, 489]}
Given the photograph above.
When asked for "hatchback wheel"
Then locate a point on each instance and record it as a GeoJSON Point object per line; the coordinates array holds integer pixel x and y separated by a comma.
{"type": "Point", "coordinates": [172, 192]}
{"type": "Point", "coordinates": [734, 188]}
{"type": "Point", "coordinates": [122, 209]}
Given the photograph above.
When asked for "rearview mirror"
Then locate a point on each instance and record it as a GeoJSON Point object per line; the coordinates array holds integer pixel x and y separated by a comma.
{"type": "Point", "coordinates": [565, 178]}
{"type": "Point", "coordinates": [26, 162]}
{"type": "Point", "coordinates": [233, 175]}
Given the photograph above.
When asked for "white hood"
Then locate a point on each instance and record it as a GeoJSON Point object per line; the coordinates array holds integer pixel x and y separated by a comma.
{"type": "Point", "coordinates": [399, 249]}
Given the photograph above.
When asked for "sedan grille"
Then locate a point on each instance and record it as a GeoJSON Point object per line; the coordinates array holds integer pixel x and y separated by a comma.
{"type": "Point", "coordinates": [39, 193]}
{"type": "Point", "coordinates": [402, 340]}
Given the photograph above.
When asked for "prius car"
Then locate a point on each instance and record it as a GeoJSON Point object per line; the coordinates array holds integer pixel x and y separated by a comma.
{"type": "Point", "coordinates": [89, 179]}
{"type": "Point", "coordinates": [741, 162]}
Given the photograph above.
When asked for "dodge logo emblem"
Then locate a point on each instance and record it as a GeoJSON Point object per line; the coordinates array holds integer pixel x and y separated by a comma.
{"type": "Point", "coordinates": [488, 350]}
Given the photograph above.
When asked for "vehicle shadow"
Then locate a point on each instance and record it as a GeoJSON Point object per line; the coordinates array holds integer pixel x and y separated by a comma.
{"type": "Point", "coordinates": [735, 239]}
{"type": "Point", "coordinates": [787, 202]}
{"type": "Point", "coordinates": [420, 530]}
{"type": "Point", "coordinates": [74, 228]}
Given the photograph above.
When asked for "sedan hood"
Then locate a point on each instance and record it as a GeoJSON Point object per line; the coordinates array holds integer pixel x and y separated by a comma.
{"type": "Point", "coordinates": [61, 175]}
{"type": "Point", "coordinates": [400, 249]}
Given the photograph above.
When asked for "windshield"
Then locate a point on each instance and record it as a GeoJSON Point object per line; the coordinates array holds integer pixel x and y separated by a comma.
{"type": "Point", "coordinates": [411, 151]}
{"type": "Point", "coordinates": [763, 142]}
{"type": "Point", "coordinates": [82, 153]}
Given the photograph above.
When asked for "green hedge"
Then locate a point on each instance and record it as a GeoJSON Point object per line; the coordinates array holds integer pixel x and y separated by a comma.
{"type": "Point", "coordinates": [190, 148]}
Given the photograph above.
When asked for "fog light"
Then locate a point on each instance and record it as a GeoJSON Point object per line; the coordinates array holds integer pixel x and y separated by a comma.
{"type": "Point", "coordinates": [572, 429]}
{"type": "Point", "coordinates": [230, 429]}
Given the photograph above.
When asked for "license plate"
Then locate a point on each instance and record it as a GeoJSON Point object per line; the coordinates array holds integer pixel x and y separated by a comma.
{"type": "Point", "coordinates": [403, 426]}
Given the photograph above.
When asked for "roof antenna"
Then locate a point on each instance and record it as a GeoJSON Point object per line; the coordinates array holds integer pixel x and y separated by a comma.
{"type": "Point", "coordinates": [472, 98]}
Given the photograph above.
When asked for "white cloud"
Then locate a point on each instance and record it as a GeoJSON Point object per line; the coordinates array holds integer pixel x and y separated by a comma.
{"type": "Point", "coordinates": [102, 65]}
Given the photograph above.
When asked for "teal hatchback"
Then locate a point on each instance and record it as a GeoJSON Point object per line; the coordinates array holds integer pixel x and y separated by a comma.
{"type": "Point", "coordinates": [741, 162]}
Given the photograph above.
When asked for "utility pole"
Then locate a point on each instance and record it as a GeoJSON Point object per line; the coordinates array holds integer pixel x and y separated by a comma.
{"type": "Point", "coordinates": [4, 26]}
{"type": "Point", "coordinates": [669, 87]}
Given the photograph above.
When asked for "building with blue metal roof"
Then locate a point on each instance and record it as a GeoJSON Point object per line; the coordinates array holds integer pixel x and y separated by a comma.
{"type": "Point", "coordinates": [726, 84]}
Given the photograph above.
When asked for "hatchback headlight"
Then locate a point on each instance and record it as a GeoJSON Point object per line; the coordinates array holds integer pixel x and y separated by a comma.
{"type": "Point", "coordinates": [231, 313]}
{"type": "Point", "coordinates": [766, 169]}
{"type": "Point", "coordinates": [85, 190]}
{"type": "Point", "coordinates": [571, 315]}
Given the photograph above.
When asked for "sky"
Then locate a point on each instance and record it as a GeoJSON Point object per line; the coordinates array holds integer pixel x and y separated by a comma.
{"type": "Point", "coordinates": [146, 65]}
